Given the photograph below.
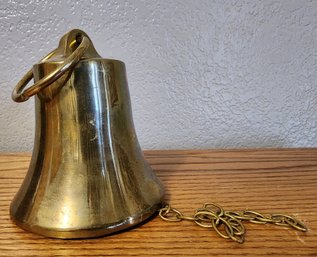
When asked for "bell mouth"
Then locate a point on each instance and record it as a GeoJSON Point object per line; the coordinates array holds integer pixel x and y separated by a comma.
{"type": "Point", "coordinates": [90, 232]}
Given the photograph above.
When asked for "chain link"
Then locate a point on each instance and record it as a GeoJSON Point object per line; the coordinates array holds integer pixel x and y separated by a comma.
{"type": "Point", "coordinates": [228, 224]}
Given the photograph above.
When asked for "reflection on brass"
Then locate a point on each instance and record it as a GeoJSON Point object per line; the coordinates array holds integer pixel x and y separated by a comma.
{"type": "Point", "coordinates": [87, 176]}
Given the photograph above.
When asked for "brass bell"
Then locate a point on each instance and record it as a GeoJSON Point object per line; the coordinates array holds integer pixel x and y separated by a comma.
{"type": "Point", "coordinates": [87, 175]}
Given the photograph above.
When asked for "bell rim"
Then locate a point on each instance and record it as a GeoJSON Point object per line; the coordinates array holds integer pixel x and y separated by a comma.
{"type": "Point", "coordinates": [93, 232]}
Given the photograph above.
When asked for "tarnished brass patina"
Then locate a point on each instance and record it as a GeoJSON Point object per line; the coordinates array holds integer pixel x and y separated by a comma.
{"type": "Point", "coordinates": [87, 176]}
{"type": "Point", "coordinates": [229, 224]}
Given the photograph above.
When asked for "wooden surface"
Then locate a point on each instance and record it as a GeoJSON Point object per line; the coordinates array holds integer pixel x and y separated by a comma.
{"type": "Point", "coordinates": [275, 180]}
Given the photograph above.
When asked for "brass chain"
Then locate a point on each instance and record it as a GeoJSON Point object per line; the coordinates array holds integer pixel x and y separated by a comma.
{"type": "Point", "coordinates": [228, 224]}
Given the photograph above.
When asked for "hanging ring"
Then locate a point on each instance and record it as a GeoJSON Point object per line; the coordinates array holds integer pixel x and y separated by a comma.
{"type": "Point", "coordinates": [20, 94]}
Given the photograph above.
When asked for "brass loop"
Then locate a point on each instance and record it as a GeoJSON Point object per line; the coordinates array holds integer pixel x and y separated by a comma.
{"type": "Point", "coordinates": [203, 224]}
{"type": "Point", "coordinates": [236, 215]}
{"type": "Point", "coordinates": [203, 218]}
{"type": "Point", "coordinates": [287, 220]}
{"type": "Point", "coordinates": [206, 211]}
{"type": "Point", "coordinates": [226, 224]}
{"type": "Point", "coordinates": [204, 215]}
{"type": "Point", "coordinates": [294, 223]}
{"type": "Point", "coordinates": [214, 208]}
{"type": "Point", "coordinates": [231, 215]}
{"type": "Point", "coordinates": [168, 213]}
{"type": "Point", "coordinates": [237, 226]}
{"type": "Point", "coordinates": [254, 217]}
{"type": "Point", "coordinates": [279, 220]}
{"type": "Point", "coordinates": [20, 94]}
{"type": "Point", "coordinates": [237, 237]}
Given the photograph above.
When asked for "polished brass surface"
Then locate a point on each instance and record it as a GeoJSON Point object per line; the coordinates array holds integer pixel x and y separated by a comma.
{"type": "Point", "coordinates": [87, 176]}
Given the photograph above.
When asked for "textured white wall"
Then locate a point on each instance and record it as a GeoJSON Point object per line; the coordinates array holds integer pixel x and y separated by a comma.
{"type": "Point", "coordinates": [202, 74]}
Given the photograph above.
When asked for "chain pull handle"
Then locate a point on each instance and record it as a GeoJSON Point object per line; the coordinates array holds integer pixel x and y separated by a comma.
{"type": "Point", "coordinates": [228, 224]}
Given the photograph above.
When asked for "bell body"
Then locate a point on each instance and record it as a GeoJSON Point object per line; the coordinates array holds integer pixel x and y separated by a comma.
{"type": "Point", "coordinates": [87, 175]}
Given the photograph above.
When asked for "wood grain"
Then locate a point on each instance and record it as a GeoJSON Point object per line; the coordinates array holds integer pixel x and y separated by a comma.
{"type": "Point", "coordinates": [267, 180]}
